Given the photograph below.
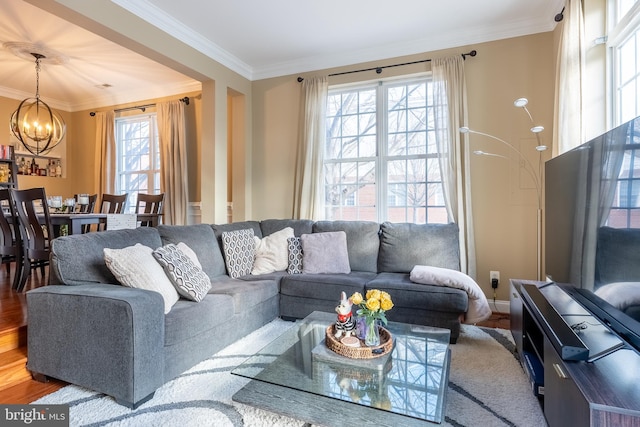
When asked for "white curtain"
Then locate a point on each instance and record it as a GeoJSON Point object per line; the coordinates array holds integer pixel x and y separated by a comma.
{"type": "Point", "coordinates": [308, 186]}
{"type": "Point", "coordinates": [450, 99]}
{"type": "Point", "coordinates": [173, 161]}
{"type": "Point", "coordinates": [568, 127]}
{"type": "Point", "coordinates": [105, 156]}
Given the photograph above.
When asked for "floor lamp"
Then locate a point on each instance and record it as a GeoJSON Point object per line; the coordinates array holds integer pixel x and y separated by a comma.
{"type": "Point", "coordinates": [536, 174]}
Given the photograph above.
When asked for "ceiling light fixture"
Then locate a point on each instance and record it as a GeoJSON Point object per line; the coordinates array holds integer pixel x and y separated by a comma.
{"type": "Point", "coordinates": [35, 124]}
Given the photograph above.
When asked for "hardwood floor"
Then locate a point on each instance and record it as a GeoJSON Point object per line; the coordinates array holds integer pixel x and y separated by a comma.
{"type": "Point", "coordinates": [16, 385]}
{"type": "Point", "coordinates": [497, 320]}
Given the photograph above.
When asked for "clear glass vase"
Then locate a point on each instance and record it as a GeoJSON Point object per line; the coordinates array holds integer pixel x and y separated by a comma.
{"type": "Point", "coordinates": [372, 332]}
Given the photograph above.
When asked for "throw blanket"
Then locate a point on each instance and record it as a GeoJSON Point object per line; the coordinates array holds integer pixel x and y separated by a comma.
{"type": "Point", "coordinates": [478, 305]}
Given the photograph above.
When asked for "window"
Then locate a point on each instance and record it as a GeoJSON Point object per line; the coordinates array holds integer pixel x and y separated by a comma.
{"type": "Point", "coordinates": [138, 157]}
{"type": "Point", "coordinates": [625, 208]}
{"type": "Point", "coordinates": [624, 45]}
{"type": "Point", "coordinates": [381, 159]}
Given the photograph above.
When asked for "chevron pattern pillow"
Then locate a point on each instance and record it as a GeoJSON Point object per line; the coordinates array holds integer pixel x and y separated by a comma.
{"type": "Point", "coordinates": [188, 278]}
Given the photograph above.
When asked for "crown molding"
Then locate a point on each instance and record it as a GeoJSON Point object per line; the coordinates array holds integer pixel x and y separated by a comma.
{"type": "Point", "coordinates": [451, 40]}
{"type": "Point", "coordinates": [147, 11]}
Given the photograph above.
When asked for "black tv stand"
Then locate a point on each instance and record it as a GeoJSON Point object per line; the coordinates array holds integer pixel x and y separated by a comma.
{"type": "Point", "coordinates": [588, 373]}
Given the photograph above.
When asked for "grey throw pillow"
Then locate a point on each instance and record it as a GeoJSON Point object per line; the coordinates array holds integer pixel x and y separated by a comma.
{"type": "Point", "coordinates": [325, 253]}
{"type": "Point", "coordinates": [188, 279]}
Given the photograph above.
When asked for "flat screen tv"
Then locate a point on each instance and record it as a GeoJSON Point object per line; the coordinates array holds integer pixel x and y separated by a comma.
{"type": "Point", "coordinates": [592, 227]}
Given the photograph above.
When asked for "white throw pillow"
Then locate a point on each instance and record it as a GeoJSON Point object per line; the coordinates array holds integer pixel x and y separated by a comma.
{"type": "Point", "coordinates": [135, 267]}
{"type": "Point", "coordinates": [325, 253]}
{"type": "Point", "coordinates": [190, 253]}
{"type": "Point", "coordinates": [271, 252]}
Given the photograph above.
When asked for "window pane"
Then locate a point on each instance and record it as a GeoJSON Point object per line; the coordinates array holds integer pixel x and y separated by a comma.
{"type": "Point", "coordinates": [390, 177]}
{"type": "Point", "coordinates": [138, 153]}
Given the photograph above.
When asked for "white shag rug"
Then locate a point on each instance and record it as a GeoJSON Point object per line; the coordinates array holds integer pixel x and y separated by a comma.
{"type": "Point", "coordinates": [487, 387]}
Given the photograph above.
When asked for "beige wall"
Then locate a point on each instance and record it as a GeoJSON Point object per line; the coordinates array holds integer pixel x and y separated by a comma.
{"type": "Point", "coordinates": [504, 200]}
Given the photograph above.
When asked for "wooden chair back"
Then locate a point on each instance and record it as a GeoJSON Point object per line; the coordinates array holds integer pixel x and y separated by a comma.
{"type": "Point", "coordinates": [113, 203]}
{"type": "Point", "coordinates": [36, 230]}
{"type": "Point", "coordinates": [10, 241]}
{"type": "Point", "coordinates": [87, 208]}
{"type": "Point", "coordinates": [149, 204]}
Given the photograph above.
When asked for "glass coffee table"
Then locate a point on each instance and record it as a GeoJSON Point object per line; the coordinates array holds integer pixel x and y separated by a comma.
{"type": "Point", "coordinates": [298, 376]}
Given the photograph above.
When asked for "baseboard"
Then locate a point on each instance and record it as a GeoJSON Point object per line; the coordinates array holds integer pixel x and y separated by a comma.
{"type": "Point", "coordinates": [499, 306]}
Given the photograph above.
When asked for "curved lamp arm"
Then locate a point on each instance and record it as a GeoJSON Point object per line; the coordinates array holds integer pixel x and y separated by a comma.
{"type": "Point", "coordinates": [530, 169]}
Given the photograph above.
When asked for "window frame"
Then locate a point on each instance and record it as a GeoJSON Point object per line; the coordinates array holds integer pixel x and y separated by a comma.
{"type": "Point", "coordinates": [382, 159]}
{"type": "Point", "coordinates": [152, 173]}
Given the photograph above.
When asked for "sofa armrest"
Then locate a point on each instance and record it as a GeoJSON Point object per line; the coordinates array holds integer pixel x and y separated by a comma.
{"type": "Point", "coordinates": [107, 338]}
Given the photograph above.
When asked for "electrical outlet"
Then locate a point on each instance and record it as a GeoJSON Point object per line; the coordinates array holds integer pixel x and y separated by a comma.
{"type": "Point", "coordinates": [494, 278]}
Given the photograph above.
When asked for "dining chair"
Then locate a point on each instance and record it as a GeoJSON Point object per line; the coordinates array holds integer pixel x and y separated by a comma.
{"type": "Point", "coordinates": [150, 204]}
{"type": "Point", "coordinates": [89, 208]}
{"type": "Point", "coordinates": [10, 242]}
{"type": "Point", "coordinates": [112, 203]}
{"type": "Point", "coordinates": [36, 231]}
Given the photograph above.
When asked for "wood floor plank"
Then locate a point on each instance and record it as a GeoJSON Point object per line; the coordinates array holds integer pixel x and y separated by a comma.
{"type": "Point", "coordinates": [13, 343]}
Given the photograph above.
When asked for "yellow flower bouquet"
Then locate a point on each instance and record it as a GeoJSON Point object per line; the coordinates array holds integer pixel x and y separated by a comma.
{"type": "Point", "coordinates": [372, 309]}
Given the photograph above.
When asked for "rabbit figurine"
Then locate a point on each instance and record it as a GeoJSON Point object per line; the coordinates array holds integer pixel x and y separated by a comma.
{"type": "Point", "coordinates": [345, 324]}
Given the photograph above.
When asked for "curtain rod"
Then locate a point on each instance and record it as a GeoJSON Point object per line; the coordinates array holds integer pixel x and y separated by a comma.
{"type": "Point", "coordinates": [379, 69]}
{"type": "Point", "coordinates": [141, 107]}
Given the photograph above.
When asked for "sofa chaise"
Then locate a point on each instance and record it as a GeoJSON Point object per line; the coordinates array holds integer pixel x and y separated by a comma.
{"type": "Point", "coordinates": [87, 329]}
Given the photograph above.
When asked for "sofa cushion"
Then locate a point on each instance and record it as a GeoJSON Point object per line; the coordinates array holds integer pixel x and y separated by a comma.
{"type": "Point", "coordinates": [300, 226]}
{"type": "Point", "coordinates": [200, 238]}
{"type": "Point", "coordinates": [79, 259]}
{"type": "Point", "coordinates": [407, 294]}
{"type": "Point", "coordinates": [246, 294]}
{"type": "Point", "coordinates": [272, 252]}
{"type": "Point", "coordinates": [403, 246]}
{"type": "Point", "coordinates": [239, 252]}
{"type": "Point", "coordinates": [135, 267]}
{"type": "Point", "coordinates": [218, 229]}
{"type": "Point", "coordinates": [363, 241]}
{"type": "Point", "coordinates": [187, 277]}
{"type": "Point", "coordinates": [324, 286]}
{"type": "Point", "coordinates": [324, 253]}
{"type": "Point", "coordinates": [190, 319]}
{"type": "Point", "coordinates": [294, 253]}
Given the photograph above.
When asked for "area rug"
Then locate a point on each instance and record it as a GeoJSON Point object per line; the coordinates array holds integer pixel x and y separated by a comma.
{"type": "Point", "coordinates": [487, 387]}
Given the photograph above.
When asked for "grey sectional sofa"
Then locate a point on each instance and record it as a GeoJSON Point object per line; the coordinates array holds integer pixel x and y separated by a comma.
{"type": "Point", "coordinates": [87, 329]}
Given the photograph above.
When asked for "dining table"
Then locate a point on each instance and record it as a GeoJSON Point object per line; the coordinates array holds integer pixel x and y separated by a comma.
{"type": "Point", "coordinates": [75, 221]}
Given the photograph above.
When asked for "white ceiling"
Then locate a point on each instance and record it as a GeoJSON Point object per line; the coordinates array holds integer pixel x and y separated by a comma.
{"type": "Point", "coordinates": [256, 38]}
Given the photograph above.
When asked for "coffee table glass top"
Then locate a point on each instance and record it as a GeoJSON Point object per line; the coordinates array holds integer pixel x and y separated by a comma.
{"type": "Point", "coordinates": [412, 380]}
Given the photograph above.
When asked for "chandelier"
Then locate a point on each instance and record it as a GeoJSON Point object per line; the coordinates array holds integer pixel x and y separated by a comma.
{"type": "Point", "coordinates": [37, 126]}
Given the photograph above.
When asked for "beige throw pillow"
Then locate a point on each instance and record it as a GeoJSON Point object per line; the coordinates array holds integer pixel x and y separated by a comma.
{"type": "Point", "coordinates": [135, 267]}
{"type": "Point", "coordinates": [271, 252]}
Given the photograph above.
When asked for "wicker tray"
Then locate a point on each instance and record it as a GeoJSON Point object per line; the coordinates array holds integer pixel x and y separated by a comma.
{"type": "Point", "coordinates": [362, 352]}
